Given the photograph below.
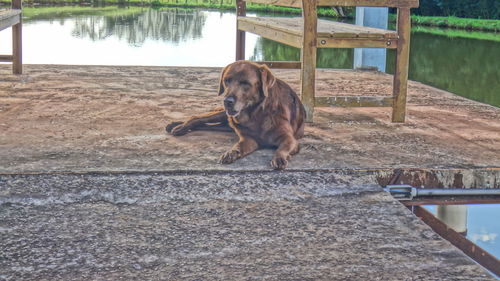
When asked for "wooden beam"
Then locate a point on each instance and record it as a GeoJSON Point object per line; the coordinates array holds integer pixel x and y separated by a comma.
{"type": "Point", "coordinates": [6, 58]}
{"type": "Point", "coordinates": [17, 4]}
{"type": "Point", "coordinates": [17, 48]}
{"type": "Point", "coordinates": [9, 18]}
{"type": "Point", "coordinates": [351, 101]}
{"type": "Point", "coordinates": [240, 34]}
{"type": "Point", "coordinates": [357, 43]}
{"type": "Point", "coordinates": [282, 64]}
{"type": "Point", "coordinates": [293, 40]}
{"type": "Point", "coordinates": [330, 34]}
{"type": "Point", "coordinates": [400, 84]}
{"type": "Point", "coordinates": [308, 57]}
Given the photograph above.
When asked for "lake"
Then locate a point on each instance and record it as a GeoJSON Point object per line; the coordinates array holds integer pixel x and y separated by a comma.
{"type": "Point", "coordinates": [457, 61]}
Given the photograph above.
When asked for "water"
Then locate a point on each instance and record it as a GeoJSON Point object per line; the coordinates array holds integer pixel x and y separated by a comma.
{"type": "Point", "coordinates": [483, 227]}
{"type": "Point", "coordinates": [191, 37]}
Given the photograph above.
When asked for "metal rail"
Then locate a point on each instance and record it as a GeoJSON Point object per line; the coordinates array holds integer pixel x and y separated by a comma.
{"type": "Point", "coordinates": [408, 192]}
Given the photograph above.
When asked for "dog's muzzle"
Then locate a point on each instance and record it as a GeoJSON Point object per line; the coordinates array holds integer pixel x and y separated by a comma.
{"type": "Point", "coordinates": [229, 103]}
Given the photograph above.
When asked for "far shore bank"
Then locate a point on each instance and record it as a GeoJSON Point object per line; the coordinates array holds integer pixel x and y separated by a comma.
{"type": "Point", "coordinates": [490, 25]}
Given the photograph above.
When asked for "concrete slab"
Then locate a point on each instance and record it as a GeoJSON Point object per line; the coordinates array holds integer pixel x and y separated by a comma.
{"type": "Point", "coordinates": [105, 118]}
{"type": "Point", "coordinates": [92, 188]}
{"type": "Point", "coordinates": [216, 226]}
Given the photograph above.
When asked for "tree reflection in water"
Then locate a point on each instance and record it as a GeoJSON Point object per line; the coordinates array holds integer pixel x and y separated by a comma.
{"type": "Point", "coordinates": [268, 50]}
{"type": "Point", "coordinates": [172, 25]}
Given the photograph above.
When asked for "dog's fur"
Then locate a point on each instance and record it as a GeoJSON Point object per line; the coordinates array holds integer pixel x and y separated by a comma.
{"type": "Point", "coordinates": [263, 110]}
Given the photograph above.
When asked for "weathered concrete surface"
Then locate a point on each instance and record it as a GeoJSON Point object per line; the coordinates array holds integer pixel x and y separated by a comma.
{"type": "Point", "coordinates": [216, 226]}
{"type": "Point", "coordinates": [105, 118]}
{"type": "Point", "coordinates": [222, 222]}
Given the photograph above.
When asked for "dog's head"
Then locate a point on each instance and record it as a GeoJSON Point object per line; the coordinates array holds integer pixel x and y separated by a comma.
{"type": "Point", "coordinates": [244, 84]}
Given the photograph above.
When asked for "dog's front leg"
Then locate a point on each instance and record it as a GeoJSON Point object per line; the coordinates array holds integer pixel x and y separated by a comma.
{"type": "Point", "coordinates": [244, 147]}
{"type": "Point", "coordinates": [181, 128]}
{"type": "Point", "coordinates": [288, 147]}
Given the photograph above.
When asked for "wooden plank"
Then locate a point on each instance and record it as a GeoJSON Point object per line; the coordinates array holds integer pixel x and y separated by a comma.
{"type": "Point", "coordinates": [240, 34]}
{"type": "Point", "coordinates": [272, 34]}
{"type": "Point", "coordinates": [308, 57]}
{"type": "Point", "coordinates": [282, 64]}
{"type": "Point", "coordinates": [281, 24]}
{"type": "Point", "coordinates": [7, 13]}
{"type": "Point", "coordinates": [6, 58]}
{"type": "Point", "coordinates": [470, 249]}
{"type": "Point", "coordinates": [400, 84]}
{"type": "Point", "coordinates": [351, 101]}
{"type": "Point", "coordinates": [357, 43]}
{"type": "Point", "coordinates": [9, 18]}
{"type": "Point", "coordinates": [17, 4]}
{"type": "Point", "coordinates": [349, 3]}
{"type": "Point", "coordinates": [289, 32]}
{"type": "Point", "coordinates": [17, 49]}
{"type": "Point", "coordinates": [326, 28]}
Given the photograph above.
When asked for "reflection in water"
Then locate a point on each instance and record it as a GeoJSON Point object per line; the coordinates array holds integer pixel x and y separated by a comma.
{"type": "Point", "coordinates": [479, 221]}
{"type": "Point", "coordinates": [466, 67]}
{"type": "Point", "coordinates": [455, 216]}
{"type": "Point", "coordinates": [268, 50]}
{"type": "Point", "coordinates": [172, 25]}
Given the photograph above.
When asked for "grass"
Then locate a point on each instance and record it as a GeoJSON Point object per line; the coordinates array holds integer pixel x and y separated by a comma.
{"type": "Point", "coordinates": [457, 33]}
{"type": "Point", "coordinates": [454, 22]}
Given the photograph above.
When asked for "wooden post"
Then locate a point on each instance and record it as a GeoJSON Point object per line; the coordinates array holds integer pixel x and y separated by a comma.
{"type": "Point", "coordinates": [400, 85]}
{"type": "Point", "coordinates": [17, 47]}
{"type": "Point", "coordinates": [308, 56]}
{"type": "Point", "coordinates": [240, 35]}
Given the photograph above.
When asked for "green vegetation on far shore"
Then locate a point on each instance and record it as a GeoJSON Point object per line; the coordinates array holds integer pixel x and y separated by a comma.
{"type": "Point", "coordinates": [457, 33]}
{"type": "Point", "coordinates": [445, 22]}
{"type": "Point", "coordinates": [64, 11]}
{"type": "Point", "coordinates": [454, 22]}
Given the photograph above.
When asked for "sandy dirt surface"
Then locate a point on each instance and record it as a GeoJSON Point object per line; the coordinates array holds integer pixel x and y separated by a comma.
{"type": "Point", "coordinates": [112, 118]}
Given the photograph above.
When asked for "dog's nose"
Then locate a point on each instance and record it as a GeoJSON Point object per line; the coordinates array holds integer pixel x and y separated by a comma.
{"type": "Point", "coordinates": [229, 101]}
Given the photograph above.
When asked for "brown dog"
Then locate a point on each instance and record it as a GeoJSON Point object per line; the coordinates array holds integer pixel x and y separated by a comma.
{"type": "Point", "coordinates": [263, 110]}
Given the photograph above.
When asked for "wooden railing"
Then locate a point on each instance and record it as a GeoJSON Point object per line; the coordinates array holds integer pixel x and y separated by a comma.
{"type": "Point", "coordinates": [13, 18]}
{"type": "Point", "coordinates": [308, 33]}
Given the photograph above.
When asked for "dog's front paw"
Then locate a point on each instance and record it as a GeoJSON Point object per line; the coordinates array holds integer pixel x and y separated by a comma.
{"type": "Point", "coordinates": [177, 128]}
{"type": "Point", "coordinates": [229, 157]}
{"type": "Point", "coordinates": [279, 162]}
{"type": "Point", "coordinates": [172, 125]}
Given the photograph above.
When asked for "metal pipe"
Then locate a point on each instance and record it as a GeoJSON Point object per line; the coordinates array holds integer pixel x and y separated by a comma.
{"type": "Point", "coordinates": [457, 191]}
{"type": "Point", "coordinates": [407, 192]}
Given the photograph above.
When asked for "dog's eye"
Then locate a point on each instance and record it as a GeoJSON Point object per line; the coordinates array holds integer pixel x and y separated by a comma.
{"type": "Point", "coordinates": [245, 83]}
{"type": "Point", "coordinates": [227, 80]}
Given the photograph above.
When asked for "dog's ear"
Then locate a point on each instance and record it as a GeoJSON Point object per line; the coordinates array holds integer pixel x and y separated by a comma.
{"type": "Point", "coordinates": [267, 79]}
{"type": "Point", "coordinates": [221, 80]}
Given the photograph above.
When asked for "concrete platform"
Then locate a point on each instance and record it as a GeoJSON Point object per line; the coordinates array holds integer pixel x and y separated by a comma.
{"type": "Point", "coordinates": [92, 188]}
{"type": "Point", "coordinates": [91, 118]}
{"type": "Point", "coordinates": [216, 226]}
